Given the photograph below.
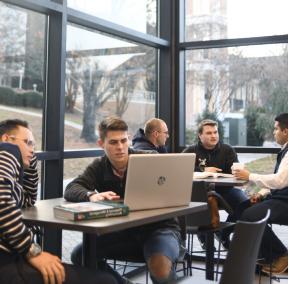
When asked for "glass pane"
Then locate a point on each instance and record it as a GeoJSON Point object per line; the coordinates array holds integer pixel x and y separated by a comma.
{"type": "Point", "coordinates": [243, 87]}
{"type": "Point", "coordinates": [139, 15]}
{"type": "Point", "coordinates": [217, 19]}
{"type": "Point", "coordinates": [106, 76]}
{"type": "Point", "coordinates": [72, 168]}
{"type": "Point", "coordinates": [22, 76]}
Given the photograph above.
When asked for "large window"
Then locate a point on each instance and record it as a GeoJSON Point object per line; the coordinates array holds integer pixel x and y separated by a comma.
{"type": "Point", "coordinates": [22, 72]}
{"type": "Point", "coordinates": [236, 68]}
{"type": "Point", "coordinates": [106, 76]}
{"type": "Point", "coordinates": [243, 87]}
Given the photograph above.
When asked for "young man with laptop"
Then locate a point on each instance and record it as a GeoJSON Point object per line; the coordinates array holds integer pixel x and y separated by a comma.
{"type": "Point", "coordinates": [105, 179]}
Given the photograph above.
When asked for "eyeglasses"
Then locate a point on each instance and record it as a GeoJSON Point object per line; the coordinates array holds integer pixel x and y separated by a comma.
{"type": "Point", "coordinates": [165, 132]}
{"type": "Point", "coordinates": [29, 143]}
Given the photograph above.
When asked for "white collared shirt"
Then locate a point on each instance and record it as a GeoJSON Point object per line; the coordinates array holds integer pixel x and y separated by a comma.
{"type": "Point", "coordinates": [275, 181]}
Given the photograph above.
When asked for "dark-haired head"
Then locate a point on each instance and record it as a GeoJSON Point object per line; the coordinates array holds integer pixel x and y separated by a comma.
{"type": "Point", "coordinates": [17, 132]}
{"type": "Point", "coordinates": [283, 120]}
{"type": "Point", "coordinates": [111, 123]}
{"type": "Point", "coordinates": [10, 125]}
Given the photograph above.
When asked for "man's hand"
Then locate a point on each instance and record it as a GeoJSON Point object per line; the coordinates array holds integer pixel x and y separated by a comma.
{"type": "Point", "coordinates": [213, 169]}
{"type": "Point", "coordinates": [107, 195]}
{"type": "Point", "coordinates": [241, 174]}
{"type": "Point", "coordinates": [49, 266]}
{"type": "Point", "coordinates": [255, 198]}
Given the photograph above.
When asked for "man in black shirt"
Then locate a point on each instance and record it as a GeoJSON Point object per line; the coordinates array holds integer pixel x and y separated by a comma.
{"type": "Point", "coordinates": [159, 243]}
{"type": "Point", "coordinates": [214, 156]}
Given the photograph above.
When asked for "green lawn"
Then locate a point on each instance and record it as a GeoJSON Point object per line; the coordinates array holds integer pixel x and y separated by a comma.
{"type": "Point", "coordinates": [73, 167]}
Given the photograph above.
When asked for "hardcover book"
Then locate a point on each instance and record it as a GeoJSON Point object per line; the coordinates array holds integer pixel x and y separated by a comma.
{"type": "Point", "coordinates": [200, 175]}
{"type": "Point", "coordinates": [90, 210]}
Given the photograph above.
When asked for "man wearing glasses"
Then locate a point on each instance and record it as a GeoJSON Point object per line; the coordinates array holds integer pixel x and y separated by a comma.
{"type": "Point", "coordinates": [152, 137]}
{"type": "Point", "coordinates": [21, 259]}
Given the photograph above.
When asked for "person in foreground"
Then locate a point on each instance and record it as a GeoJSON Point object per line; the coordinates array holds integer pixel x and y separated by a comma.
{"type": "Point", "coordinates": [105, 178]}
{"type": "Point", "coordinates": [274, 196]}
{"type": "Point", "coordinates": [152, 137]}
{"type": "Point", "coordinates": [214, 156]}
{"type": "Point", "coordinates": [21, 259]}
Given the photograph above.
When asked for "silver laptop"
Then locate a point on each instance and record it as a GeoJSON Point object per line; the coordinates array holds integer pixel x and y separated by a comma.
{"type": "Point", "coordinates": [159, 180]}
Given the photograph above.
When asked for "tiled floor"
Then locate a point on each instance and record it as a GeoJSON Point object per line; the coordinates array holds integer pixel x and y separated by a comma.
{"type": "Point", "coordinates": [70, 239]}
{"type": "Point", "coordinates": [198, 276]}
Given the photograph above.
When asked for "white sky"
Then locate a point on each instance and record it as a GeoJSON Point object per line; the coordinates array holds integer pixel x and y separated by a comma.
{"type": "Point", "coordinates": [248, 18]}
{"type": "Point", "coordinates": [245, 18]}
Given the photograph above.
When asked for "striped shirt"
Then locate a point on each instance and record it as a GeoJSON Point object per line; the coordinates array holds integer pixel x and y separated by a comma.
{"type": "Point", "coordinates": [18, 189]}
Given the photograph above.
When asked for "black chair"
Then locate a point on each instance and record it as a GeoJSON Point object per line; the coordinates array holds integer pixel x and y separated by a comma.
{"type": "Point", "coordinates": [201, 225]}
{"type": "Point", "coordinates": [239, 267]}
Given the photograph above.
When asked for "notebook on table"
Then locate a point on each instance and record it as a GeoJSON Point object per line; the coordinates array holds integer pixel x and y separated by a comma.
{"type": "Point", "coordinates": [159, 180]}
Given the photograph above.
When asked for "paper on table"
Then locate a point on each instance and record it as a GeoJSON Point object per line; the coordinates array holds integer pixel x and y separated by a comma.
{"type": "Point", "coordinates": [200, 175]}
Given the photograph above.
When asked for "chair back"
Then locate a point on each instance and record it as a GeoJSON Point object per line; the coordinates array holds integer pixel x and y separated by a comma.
{"type": "Point", "coordinates": [239, 267]}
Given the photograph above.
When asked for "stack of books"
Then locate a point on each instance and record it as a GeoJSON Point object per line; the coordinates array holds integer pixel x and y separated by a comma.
{"type": "Point", "coordinates": [90, 210]}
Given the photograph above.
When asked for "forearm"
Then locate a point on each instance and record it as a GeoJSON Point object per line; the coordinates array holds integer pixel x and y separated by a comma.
{"type": "Point", "coordinates": [75, 192]}
{"type": "Point", "coordinates": [273, 181]}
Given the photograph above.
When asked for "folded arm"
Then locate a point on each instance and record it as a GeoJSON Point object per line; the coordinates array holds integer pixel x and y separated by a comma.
{"type": "Point", "coordinates": [15, 236]}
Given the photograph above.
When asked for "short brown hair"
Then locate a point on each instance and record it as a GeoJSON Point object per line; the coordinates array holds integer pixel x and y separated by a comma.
{"type": "Point", "coordinates": [205, 122]}
{"type": "Point", "coordinates": [111, 123]}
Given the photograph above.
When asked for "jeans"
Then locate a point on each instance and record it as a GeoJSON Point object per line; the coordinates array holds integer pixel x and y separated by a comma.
{"type": "Point", "coordinates": [136, 243]}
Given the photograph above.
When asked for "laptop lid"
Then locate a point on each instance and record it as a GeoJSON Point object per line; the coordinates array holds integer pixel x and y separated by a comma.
{"type": "Point", "coordinates": [159, 180]}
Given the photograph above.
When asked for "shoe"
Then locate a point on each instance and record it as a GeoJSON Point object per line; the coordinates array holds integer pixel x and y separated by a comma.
{"type": "Point", "coordinates": [224, 240]}
{"type": "Point", "coordinates": [202, 240]}
{"type": "Point", "coordinates": [279, 265]}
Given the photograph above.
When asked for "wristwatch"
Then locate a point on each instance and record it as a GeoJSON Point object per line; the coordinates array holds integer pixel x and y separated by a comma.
{"type": "Point", "coordinates": [90, 193]}
{"type": "Point", "coordinates": [34, 250]}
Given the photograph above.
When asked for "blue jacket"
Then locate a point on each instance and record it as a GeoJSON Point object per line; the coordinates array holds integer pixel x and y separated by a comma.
{"type": "Point", "coordinates": [140, 142]}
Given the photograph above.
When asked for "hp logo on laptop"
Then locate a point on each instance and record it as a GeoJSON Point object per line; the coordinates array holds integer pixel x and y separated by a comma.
{"type": "Point", "coordinates": [161, 180]}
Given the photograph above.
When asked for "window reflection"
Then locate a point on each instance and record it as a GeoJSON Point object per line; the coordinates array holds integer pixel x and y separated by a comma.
{"type": "Point", "coordinates": [106, 76]}
{"type": "Point", "coordinates": [139, 15]}
{"type": "Point", "coordinates": [242, 87]}
{"type": "Point", "coordinates": [22, 51]}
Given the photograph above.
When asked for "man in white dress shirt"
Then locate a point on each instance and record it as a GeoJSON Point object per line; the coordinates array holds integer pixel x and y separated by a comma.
{"type": "Point", "coordinates": [274, 196]}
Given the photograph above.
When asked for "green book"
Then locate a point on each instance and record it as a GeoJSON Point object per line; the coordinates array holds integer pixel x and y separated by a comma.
{"type": "Point", "coordinates": [90, 210]}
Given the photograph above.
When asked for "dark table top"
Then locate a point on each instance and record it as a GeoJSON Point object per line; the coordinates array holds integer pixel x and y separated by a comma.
{"type": "Point", "coordinates": [222, 181]}
{"type": "Point", "coordinates": [42, 214]}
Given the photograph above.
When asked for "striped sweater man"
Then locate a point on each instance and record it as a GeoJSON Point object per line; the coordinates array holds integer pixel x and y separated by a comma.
{"type": "Point", "coordinates": [18, 189]}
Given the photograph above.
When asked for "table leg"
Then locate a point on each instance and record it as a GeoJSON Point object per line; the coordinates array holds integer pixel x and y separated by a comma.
{"type": "Point", "coordinates": [89, 250]}
{"type": "Point", "coordinates": [210, 256]}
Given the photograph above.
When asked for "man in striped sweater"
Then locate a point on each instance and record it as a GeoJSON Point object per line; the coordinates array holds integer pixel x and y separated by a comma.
{"type": "Point", "coordinates": [21, 259]}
